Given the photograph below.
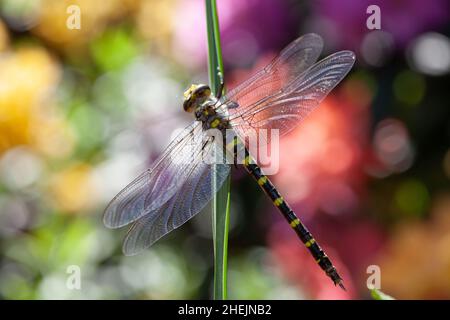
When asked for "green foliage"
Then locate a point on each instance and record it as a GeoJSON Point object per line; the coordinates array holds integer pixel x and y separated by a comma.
{"type": "Point", "coordinates": [114, 50]}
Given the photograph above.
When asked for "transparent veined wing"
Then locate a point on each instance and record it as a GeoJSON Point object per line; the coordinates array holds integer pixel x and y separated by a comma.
{"type": "Point", "coordinates": [153, 188]}
{"type": "Point", "coordinates": [292, 61]}
{"type": "Point", "coordinates": [196, 192]}
{"type": "Point", "coordinates": [287, 107]}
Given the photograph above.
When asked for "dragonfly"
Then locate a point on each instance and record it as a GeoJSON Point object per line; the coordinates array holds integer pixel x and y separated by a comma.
{"type": "Point", "coordinates": [180, 183]}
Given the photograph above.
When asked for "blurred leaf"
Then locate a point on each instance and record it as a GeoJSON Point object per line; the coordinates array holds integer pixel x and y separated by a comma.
{"type": "Point", "coordinates": [108, 95]}
{"type": "Point", "coordinates": [378, 295]}
{"type": "Point", "coordinates": [61, 243]}
{"type": "Point", "coordinates": [17, 287]}
{"type": "Point", "coordinates": [409, 88]}
{"type": "Point", "coordinates": [253, 279]}
{"type": "Point", "coordinates": [412, 197]}
{"type": "Point", "coordinates": [114, 50]}
{"type": "Point", "coordinates": [88, 124]}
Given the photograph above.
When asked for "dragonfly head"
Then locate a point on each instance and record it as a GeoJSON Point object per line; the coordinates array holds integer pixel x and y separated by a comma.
{"type": "Point", "coordinates": [195, 96]}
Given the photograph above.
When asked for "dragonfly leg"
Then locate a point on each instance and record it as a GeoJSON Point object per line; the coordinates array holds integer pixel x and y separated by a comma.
{"type": "Point", "coordinates": [232, 105]}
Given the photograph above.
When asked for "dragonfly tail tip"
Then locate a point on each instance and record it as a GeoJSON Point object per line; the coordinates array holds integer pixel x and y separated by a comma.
{"type": "Point", "coordinates": [341, 285]}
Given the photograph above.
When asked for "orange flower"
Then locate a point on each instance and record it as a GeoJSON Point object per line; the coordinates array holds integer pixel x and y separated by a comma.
{"type": "Point", "coordinates": [4, 38]}
{"type": "Point", "coordinates": [416, 262]}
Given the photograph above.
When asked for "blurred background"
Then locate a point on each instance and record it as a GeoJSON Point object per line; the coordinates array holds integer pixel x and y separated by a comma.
{"type": "Point", "coordinates": [83, 111]}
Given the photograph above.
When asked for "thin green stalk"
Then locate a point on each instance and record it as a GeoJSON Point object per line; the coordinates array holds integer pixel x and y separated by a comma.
{"type": "Point", "coordinates": [215, 63]}
{"type": "Point", "coordinates": [221, 200]}
{"type": "Point", "coordinates": [378, 295]}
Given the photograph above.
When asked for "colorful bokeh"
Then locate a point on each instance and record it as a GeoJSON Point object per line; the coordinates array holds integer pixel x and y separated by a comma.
{"type": "Point", "coordinates": [84, 111]}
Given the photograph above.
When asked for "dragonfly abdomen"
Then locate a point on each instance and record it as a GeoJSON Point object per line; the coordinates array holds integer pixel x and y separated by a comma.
{"type": "Point", "coordinates": [305, 236]}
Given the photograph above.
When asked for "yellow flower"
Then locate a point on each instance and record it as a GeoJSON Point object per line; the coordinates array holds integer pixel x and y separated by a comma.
{"type": "Point", "coordinates": [154, 22]}
{"type": "Point", "coordinates": [27, 115]}
{"type": "Point", "coordinates": [94, 15]}
{"type": "Point", "coordinates": [73, 190]}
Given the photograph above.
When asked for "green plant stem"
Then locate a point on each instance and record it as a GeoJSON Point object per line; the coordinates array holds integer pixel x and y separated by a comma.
{"type": "Point", "coordinates": [215, 63]}
{"type": "Point", "coordinates": [221, 200]}
{"type": "Point", "coordinates": [378, 295]}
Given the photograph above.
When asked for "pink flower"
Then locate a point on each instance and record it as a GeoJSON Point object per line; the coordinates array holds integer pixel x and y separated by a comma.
{"type": "Point", "coordinates": [404, 19]}
{"type": "Point", "coordinates": [247, 28]}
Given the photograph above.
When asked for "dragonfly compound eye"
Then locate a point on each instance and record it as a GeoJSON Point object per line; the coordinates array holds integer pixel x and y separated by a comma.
{"type": "Point", "coordinates": [188, 105]}
{"type": "Point", "coordinates": [188, 99]}
{"type": "Point", "coordinates": [195, 95]}
{"type": "Point", "coordinates": [202, 91]}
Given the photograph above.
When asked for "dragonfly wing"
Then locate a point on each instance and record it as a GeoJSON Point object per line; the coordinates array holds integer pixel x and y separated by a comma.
{"type": "Point", "coordinates": [152, 189]}
{"type": "Point", "coordinates": [292, 61]}
{"type": "Point", "coordinates": [196, 192]}
{"type": "Point", "coordinates": [286, 109]}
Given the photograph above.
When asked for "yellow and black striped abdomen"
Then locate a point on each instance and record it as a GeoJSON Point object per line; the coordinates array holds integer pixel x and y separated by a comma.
{"type": "Point", "coordinates": [305, 236]}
